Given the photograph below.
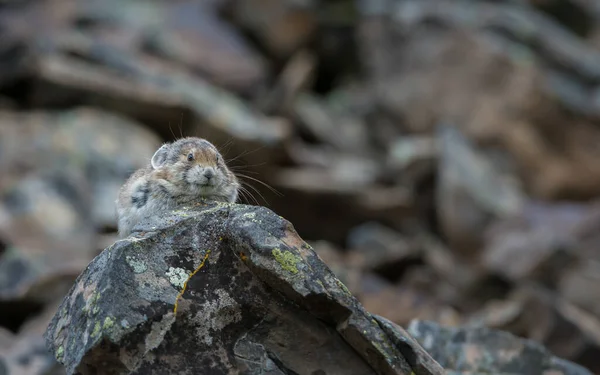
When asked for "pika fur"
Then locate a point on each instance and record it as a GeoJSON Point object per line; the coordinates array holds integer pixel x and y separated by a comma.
{"type": "Point", "coordinates": [178, 173]}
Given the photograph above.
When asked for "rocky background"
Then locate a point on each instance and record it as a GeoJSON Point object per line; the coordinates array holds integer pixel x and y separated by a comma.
{"type": "Point", "coordinates": [442, 157]}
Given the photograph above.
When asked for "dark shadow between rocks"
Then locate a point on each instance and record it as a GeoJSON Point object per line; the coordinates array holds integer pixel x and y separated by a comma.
{"type": "Point", "coordinates": [15, 313]}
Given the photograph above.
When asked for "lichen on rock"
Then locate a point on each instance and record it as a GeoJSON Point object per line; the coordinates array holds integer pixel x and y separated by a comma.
{"type": "Point", "coordinates": [177, 276]}
{"type": "Point", "coordinates": [287, 260]}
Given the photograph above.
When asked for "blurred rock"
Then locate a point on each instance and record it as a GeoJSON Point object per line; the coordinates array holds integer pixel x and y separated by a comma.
{"type": "Point", "coordinates": [578, 16]}
{"type": "Point", "coordinates": [192, 33]}
{"type": "Point", "coordinates": [403, 304]}
{"type": "Point", "coordinates": [98, 146]}
{"type": "Point", "coordinates": [539, 314]}
{"type": "Point", "coordinates": [505, 75]}
{"type": "Point", "coordinates": [26, 355]}
{"type": "Point", "coordinates": [579, 285]}
{"type": "Point", "coordinates": [561, 49]}
{"type": "Point", "coordinates": [156, 93]}
{"type": "Point", "coordinates": [179, 32]}
{"type": "Point", "coordinates": [471, 193]}
{"type": "Point", "coordinates": [281, 26]}
{"type": "Point", "coordinates": [412, 158]}
{"type": "Point", "coordinates": [327, 190]}
{"type": "Point", "coordinates": [541, 238]}
{"type": "Point", "coordinates": [454, 280]}
{"type": "Point", "coordinates": [374, 247]}
{"type": "Point", "coordinates": [488, 351]}
{"type": "Point", "coordinates": [48, 234]}
{"type": "Point", "coordinates": [248, 323]}
{"type": "Point", "coordinates": [331, 126]}
{"type": "Point", "coordinates": [295, 78]}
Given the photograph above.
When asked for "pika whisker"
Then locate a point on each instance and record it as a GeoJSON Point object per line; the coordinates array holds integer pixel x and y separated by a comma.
{"type": "Point", "coordinates": [248, 195]}
{"type": "Point", "coordinates": [272, 189]}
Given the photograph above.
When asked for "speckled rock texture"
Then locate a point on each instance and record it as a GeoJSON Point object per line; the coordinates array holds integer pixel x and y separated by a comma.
{"type": "Point", "coordinates": [221, 289]}
{"type": "Point", "coordinates": [480, 350]}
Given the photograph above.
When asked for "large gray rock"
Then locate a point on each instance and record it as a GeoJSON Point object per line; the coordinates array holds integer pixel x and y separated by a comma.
{"type": "Point", "coordinates": [220, 289]}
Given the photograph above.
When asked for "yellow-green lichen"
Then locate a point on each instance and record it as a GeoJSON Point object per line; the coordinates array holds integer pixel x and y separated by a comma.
{"type": "Point", "coordinates": [60, 351]}
{"type": "Point", "coordinates": [288, 260]}
{"type": "Point", "coordinates": [96, 330]}
{"type": "Point", "coordinates": [91, 304]}
{"type": "Point", "coordinates": [341, 285]}
{"type": "Point", "coordinates": [108, 323]}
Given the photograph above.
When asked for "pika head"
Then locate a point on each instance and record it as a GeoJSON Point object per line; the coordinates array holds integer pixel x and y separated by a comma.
{"type": "Point", "coordinates": [195, 167]}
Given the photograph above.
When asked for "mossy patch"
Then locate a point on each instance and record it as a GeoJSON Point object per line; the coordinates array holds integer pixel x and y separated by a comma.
{"type": "Point", "coordinates": [288, 260]}
{"type": "Point", "coordinates": [60, 352]}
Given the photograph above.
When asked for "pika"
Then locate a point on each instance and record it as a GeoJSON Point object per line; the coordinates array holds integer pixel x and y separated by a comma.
{"type": "Point", "coordinates": [178, 173]}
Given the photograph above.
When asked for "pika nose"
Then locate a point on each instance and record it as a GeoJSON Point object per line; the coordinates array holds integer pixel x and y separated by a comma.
{"type": "Point", "coordinates": [209, 173]}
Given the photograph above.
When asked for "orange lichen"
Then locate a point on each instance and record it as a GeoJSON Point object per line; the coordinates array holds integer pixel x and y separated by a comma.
{"type": "Point", "coordinates": [243, 257]}
{"type": "Point", "coordinates": [188, 279]}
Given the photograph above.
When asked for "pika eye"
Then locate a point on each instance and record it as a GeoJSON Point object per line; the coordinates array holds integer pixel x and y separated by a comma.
{"type": "Point", "coordinates": [190, 157]}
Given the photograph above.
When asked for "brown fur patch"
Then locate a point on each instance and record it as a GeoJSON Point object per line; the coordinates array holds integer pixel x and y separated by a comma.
{"type": "Point", "coordinates": [163, 174]}
{"type": "Point", "coordinates": [206, 157]}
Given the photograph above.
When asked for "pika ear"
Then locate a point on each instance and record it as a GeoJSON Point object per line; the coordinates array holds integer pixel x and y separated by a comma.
{"type": "Point", "coordinates": [160, 156]}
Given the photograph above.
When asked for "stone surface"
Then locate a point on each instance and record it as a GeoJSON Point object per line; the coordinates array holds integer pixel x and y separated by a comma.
{"type": "Point", "coordinates": [488, 351]}
{"type": "Point", "coordinates": [240, 280]}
